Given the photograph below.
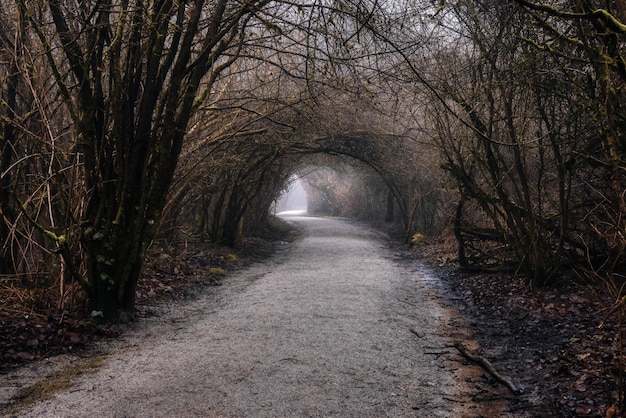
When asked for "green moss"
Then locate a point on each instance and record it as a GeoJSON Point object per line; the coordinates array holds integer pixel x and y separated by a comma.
{"type": "Point", "coordinates": [49, 386]}
{"type": "Point", "coordinates": [230, 257]}
{"type": "Point", "coordinates": [610, 20]}
{"type": "Point", "coordinates": [214, 275]}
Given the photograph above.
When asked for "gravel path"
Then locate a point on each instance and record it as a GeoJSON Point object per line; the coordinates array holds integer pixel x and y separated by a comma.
{"type": "Point", "coordinates": [322, 329]}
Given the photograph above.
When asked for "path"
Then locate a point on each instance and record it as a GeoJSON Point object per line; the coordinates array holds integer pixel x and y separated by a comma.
{"type": "Point", "coordinates": [322, 329]}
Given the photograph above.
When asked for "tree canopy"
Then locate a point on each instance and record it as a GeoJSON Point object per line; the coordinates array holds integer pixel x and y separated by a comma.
{"type": "Point", "coordinates": [125, 121]}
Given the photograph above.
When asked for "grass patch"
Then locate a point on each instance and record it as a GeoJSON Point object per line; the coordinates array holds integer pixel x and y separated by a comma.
{"type": "Point", "coordinates": [49, 386]}
{"type": "Point", "coordinates": [232, 258]}
{"type": "Point", "coordinates": [214, 275]}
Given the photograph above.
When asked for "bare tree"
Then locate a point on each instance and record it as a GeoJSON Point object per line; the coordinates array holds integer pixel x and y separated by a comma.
{"type": "Point", "coordinates": [10, 50]}
{"type": "Point", "coordinates": [131, 75]}
{"type": "Point", "coordinates": [588, 37]}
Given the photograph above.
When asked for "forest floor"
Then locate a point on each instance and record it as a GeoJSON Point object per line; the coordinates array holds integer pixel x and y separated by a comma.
{"type": "Point", "coordinates": [547, 341]}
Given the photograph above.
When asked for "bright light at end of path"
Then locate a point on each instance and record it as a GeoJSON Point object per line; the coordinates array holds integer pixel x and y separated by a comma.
{"type": "Point", "coordinates": [292, 213]}
{"type": "Point", "coordinates": [293, 201]}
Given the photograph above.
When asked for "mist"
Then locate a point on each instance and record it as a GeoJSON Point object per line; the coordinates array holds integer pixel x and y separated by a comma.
{"type": "Point", "coordinates": [293, 201]}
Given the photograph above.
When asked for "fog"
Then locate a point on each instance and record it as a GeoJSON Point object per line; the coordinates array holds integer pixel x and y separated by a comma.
{"type": "Point", "coordinates": [293, 201]}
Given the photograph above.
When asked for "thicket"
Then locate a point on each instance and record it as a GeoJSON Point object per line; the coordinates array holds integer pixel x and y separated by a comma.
{"type": "Point", "coordinates": [123, 122]}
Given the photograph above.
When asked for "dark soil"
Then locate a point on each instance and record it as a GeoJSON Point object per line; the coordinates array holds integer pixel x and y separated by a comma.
{"type": "Point", "coordinates": [547, 341]}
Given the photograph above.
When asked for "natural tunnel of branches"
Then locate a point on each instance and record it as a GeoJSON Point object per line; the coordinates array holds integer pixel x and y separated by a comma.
{"type": "Point", "coordinates": [499, 122]}
{"type": "Point", "coordinates": [347, 174]}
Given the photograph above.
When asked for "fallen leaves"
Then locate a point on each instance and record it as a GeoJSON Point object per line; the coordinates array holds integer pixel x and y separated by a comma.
{"type": "Point", "coordinates": [549, 338]}
{"type": "Point", "coordinates": [37, 336]}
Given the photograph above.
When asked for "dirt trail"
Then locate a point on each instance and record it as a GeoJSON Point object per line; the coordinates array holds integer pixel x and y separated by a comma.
{"type": "Point", "coordinates": [322, 329]}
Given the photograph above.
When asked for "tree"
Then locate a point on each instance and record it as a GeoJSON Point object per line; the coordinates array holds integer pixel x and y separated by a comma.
{"type": "Point", "coordinates": [505, 118]}
{"type": "Point", "coordinates": [588, 37]}
{"type": "Point", "coordinates": [131, 75]}
{"type": "Point", "coordinates": [30, 151]}
{"type": "Point", "coordinates": [499, 102]}
{"type": "Point", "coordinates": [10, 49]}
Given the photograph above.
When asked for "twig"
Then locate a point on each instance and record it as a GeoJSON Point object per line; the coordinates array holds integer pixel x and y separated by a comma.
{"type": "Point", "coordinates": [407, 302]}
{"type": "Point", "coordinates": [621, 302]}
{"type": "Point", "coordinates": [436, 353]}
{"type": "Point", "coordinates": [416, 333]}
{"type": "Point", "coordinates": [487, 366]}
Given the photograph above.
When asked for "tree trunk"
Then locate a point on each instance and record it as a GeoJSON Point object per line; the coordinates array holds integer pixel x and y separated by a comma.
{"type": "Point", "coordinates": [391, 204]}
{"type": "Point", "coordinates": [459, 235]}
{"type": "Point", "coordinates": [114, 299]}
{"type": "Point", "coordinates": [7, 142]}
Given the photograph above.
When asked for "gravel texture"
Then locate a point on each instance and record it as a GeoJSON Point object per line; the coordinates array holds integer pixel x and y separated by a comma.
{"type": "Point", "coordinates": [330, 326]}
